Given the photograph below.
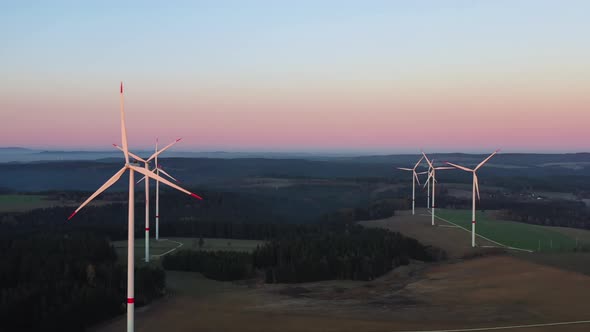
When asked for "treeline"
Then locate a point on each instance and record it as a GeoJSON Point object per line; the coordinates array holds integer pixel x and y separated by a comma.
{"type": "Point", "coordinates": [353, 252]}
{"type": "Point", "coordinates": [555, 213]}
{"type": "Point", "coordinates": [562, 213]}
{"type": "Point", "coordinates": [379, 209]}
{"type": "Point", "coordinates": [65, 282]}
{"type": "Point", "coordinates": [356, 253]}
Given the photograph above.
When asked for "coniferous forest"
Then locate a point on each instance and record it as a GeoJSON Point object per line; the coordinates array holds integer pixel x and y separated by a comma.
{"type": "Point", "coordinates": [65, 275]}
{"type": "Point", "coordinates": [351, 252]}
{"type": "Point", "coordinates": [66, 282]}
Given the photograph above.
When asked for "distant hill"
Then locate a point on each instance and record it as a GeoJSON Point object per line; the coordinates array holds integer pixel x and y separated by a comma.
{"type": "Point", "coordinates": [218, 172]}
{"type": "Point", "coordinates": [23, 155]}
{"type": "Point", "coordinates": [14, 150]}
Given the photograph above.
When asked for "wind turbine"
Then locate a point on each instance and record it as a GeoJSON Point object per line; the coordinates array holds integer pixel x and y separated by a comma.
{"type": "Point", "coordinates": [158, 169]}
{"type": "Point", "coordinates": [432, 175]}
{"type": "Point", "coordinates": [475, 189]}
{"type": "Point", "coordinates": [147, 192]}
{"type": "Point", "coordinates": [414, 179]}
{"type": "Point", "coordinates": [131, 211]}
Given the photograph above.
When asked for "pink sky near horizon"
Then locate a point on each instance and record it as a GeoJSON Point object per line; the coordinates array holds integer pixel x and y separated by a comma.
{"type": "Point", "coordinates": [337, 122]}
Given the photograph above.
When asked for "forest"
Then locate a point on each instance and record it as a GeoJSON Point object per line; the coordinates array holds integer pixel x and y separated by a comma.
{"type": "Point", "coordinates": [308, 230]}
{"type": "Point", "coordinates": [66, 282]}
{"type": "Point", "coordinates": [347, 252]}
{"type": "Point", "coordinates": [354, 253]}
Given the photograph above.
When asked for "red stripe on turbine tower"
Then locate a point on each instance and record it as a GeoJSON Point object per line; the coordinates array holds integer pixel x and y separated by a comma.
{"type": "Point", "coordinates": [147, 229]}
{"type": "Point", "coordinates": [473, 221]}
{"type": "Point", "coordinates": [121, 87]}
{"type": "Point", "coordinates": [130, 300]}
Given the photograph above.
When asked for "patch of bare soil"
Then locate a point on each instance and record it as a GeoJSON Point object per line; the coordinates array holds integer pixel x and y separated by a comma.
{"type": "Point", "coordinates": [455, 241]}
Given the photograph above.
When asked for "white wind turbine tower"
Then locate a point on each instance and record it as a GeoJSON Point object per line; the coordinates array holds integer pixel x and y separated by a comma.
{"type": "Point", "coordinates": [147, 192]}
{"type": "Point", "coordinates": [432, 175]}
{"type": "Point", "coordinates": [475, 190]}
{"type": "Point", "coordinates": [131, 212]}
{"type": "Point", "coordinates": [427, 184]}
{"type": "Point", "coordinates": [414, 179]}
{"type": "Point", "coordinates": [158, 169]}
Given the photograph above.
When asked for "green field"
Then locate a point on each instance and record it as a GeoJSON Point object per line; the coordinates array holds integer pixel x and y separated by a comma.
{"type": "Point", "coordinates": [219, 244]}
{"type": "Point", "coordinates": [158, 248]}
{"type": "Point", "coordinates": [21, 203]}
{"type": "Point", "coordinates": [511, 233]}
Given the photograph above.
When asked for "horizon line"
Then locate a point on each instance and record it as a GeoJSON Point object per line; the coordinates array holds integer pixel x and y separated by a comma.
{"type": "Point", "coordinates": [325, 151]}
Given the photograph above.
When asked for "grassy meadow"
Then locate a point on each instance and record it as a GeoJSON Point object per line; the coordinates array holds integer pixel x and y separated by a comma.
{"type": "Point", "coordinates": [161, 247]}
{"type": "Point", "coordinates": [511, 233]}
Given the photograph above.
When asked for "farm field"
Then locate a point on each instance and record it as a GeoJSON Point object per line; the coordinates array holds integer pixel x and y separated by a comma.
{"type": "Point", "coordinates": [21, 203]}
{"type": "Point", "coordinates": [218, 244]}
{"type": "Point", "coordinates": [484, 292]}
{"type": "Point", "coordinates": [492, 291]}
{"type": "Point", "coordinates": [511, 233]}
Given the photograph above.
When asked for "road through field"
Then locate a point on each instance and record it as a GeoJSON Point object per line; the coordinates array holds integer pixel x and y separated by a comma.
{"type": "Point", "coordinates": [178, 245]}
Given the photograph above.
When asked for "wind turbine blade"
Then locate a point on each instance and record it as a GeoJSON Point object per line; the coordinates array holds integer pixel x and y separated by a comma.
{"type": "Point", "coordinates": [163, 149]}
{"type": "Point", "coordinates": [104, 187]}
{"type": "Point", "coordinates": [134, 156]}
{"type": "Point", "coordinates": [476, 185]}
{"type": "Point", "coordinates": [427, 160]}
{"type": "Point", "coordinates": [485, 160]}
{"type": "Point", "coordinates": [168, 175]}
{"type": "Point", "coordinates": [143, 178]}
{"type": "Point", "coordinates": [416, 176]}
{"type": "Point", "coordinates": [425, 172]}
{"type": "Point", "coordinates": [428, 179]}
{"type": "Point", "coordinates": [460, 167]}
{"type": "Point", "coordinates": [162, 180]}
{"type": "Point", "coordinates": [405, 169]}
{"type": "Point", "coordinates": [156, 153]}
{"type": "Point", "coordinates": [124, 128]}
{"type": "Point", "coordinates": [444, 167]}
{"type": "Point", "coordinates": [418, 163]}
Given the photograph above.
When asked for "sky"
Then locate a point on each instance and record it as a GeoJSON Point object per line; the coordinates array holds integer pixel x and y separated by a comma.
{"type": "Point", "coordinates": [358, 76]}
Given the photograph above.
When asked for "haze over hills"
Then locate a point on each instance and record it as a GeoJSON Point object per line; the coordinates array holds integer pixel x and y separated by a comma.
{"type": "Point", "coordinates": [19, 154]}
{"type": "Point", "coordinates": [84, 170]}
{"type": "Point", "coordinates": [16, 154]}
